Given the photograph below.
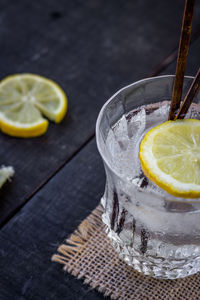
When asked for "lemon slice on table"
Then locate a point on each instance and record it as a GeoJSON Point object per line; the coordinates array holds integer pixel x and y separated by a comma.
{"type": "Point", "coordinates": [170, 157]}
{"type": "Point", "coordinates": [25, 99]}
{"type": "Point", "coordinates": [5, 174]}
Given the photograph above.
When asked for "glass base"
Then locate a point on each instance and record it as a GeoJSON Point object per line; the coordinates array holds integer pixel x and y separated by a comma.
{"type": "Point", "coordinates": [159, 261]}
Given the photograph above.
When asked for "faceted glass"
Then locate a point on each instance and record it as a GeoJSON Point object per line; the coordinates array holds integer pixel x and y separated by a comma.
{"type": "Point", "coordinates": [154, 232]}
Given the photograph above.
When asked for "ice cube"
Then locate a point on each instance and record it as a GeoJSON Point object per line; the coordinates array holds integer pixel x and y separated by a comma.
{"type": "Point", "coordinates": [121, 133]}
{"type": "Point", "coordinates": [158, 116]}
{"type": "Point", "coordinates": [137, 124]}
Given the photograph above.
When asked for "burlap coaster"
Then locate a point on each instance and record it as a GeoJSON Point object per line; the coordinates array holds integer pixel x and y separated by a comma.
{"type": "Point", "coordinates": [88, 254]}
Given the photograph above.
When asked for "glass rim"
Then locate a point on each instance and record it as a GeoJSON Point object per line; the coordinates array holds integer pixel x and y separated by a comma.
{"type": "Point", "coordinates": [97, 130]}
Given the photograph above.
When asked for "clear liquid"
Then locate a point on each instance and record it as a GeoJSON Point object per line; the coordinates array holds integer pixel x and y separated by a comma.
{"type": "Point", "coordinates": [124, 138]}
{"type": "Point", "coordinates": [158, 237]}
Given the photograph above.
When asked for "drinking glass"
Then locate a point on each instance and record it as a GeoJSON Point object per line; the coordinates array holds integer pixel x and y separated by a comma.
{"type": "Point", "coordinates": [156, 234]}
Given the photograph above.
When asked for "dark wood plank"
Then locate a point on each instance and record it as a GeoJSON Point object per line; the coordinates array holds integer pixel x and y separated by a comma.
{"type": "Point", "coordinates": [163, 66]}
{"type": "Point", "coordinates": [92, 48]}
{"type": "Point", "coordinates": [28, 241]}
{"type": "Point", "coordinates": [192, 64]}
{"type": "Point", "coordinates": [33, 235]}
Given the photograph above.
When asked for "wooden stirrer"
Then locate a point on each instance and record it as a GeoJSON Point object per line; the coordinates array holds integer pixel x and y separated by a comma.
{"type": "Point", "coordinates": [189, 97]}
{"type": "Point", "coordinates": [182, 57]}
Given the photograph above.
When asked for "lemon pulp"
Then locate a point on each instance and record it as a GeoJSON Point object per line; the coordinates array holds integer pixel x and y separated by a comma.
{"type": "Point", "coordinates": [170, 157]}
{"type": "Point", "coordinates": [5, 174]}
{"type": "Point", "coordinates": [25, 99]}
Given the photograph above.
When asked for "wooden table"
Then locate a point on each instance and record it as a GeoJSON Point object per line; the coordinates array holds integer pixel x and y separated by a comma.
{"type": "Point", "coordinates": [91, 48]}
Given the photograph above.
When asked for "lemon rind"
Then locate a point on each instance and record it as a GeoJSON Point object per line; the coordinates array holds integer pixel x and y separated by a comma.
{"type": "Point", "coordinates": [61, 111]}
{"type": "Point", "coordinates": [40, 127]}
{"type": "Point", "coordinates": [23, 130]}
{"type": "Point", "coordinates": [154, 173]}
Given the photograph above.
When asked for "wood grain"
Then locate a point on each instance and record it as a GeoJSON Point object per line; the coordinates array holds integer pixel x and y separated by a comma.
{"type": "Point", "coordinates": [30, 239]}
{"type": "Point", "coordinates": [189, 97]}
{"type": "Point", "coordinates": [192, 65]}
{"type": "Point", "coordinates": [33, 235]}
{"type": "Point", "coordinates": [91, 48]}
{"type": "Point", "coordinates": [94, 48]}
{"type": "Point", "coordinates": [182, 57]}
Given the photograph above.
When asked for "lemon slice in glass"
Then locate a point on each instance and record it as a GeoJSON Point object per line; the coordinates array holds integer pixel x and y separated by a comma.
{"type": "Point", "coordinates": [5, 174]}
{"type": "Point", "coordinates": [25, 99]}
{"type": "Point", "coordinates": [170, 157]}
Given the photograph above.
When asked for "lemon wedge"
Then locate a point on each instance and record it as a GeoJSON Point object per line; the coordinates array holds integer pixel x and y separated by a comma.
{"type": "Point", "coordinates": [170, 156]}
{"type": "Point", "coordinates": [5, 174]}
{"type": "Point", "coordinates": [25, 99]}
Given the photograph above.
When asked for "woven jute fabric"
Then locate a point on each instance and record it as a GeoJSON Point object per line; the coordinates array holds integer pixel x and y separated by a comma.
{"type": "Point", "coordinates": [88, 255]}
